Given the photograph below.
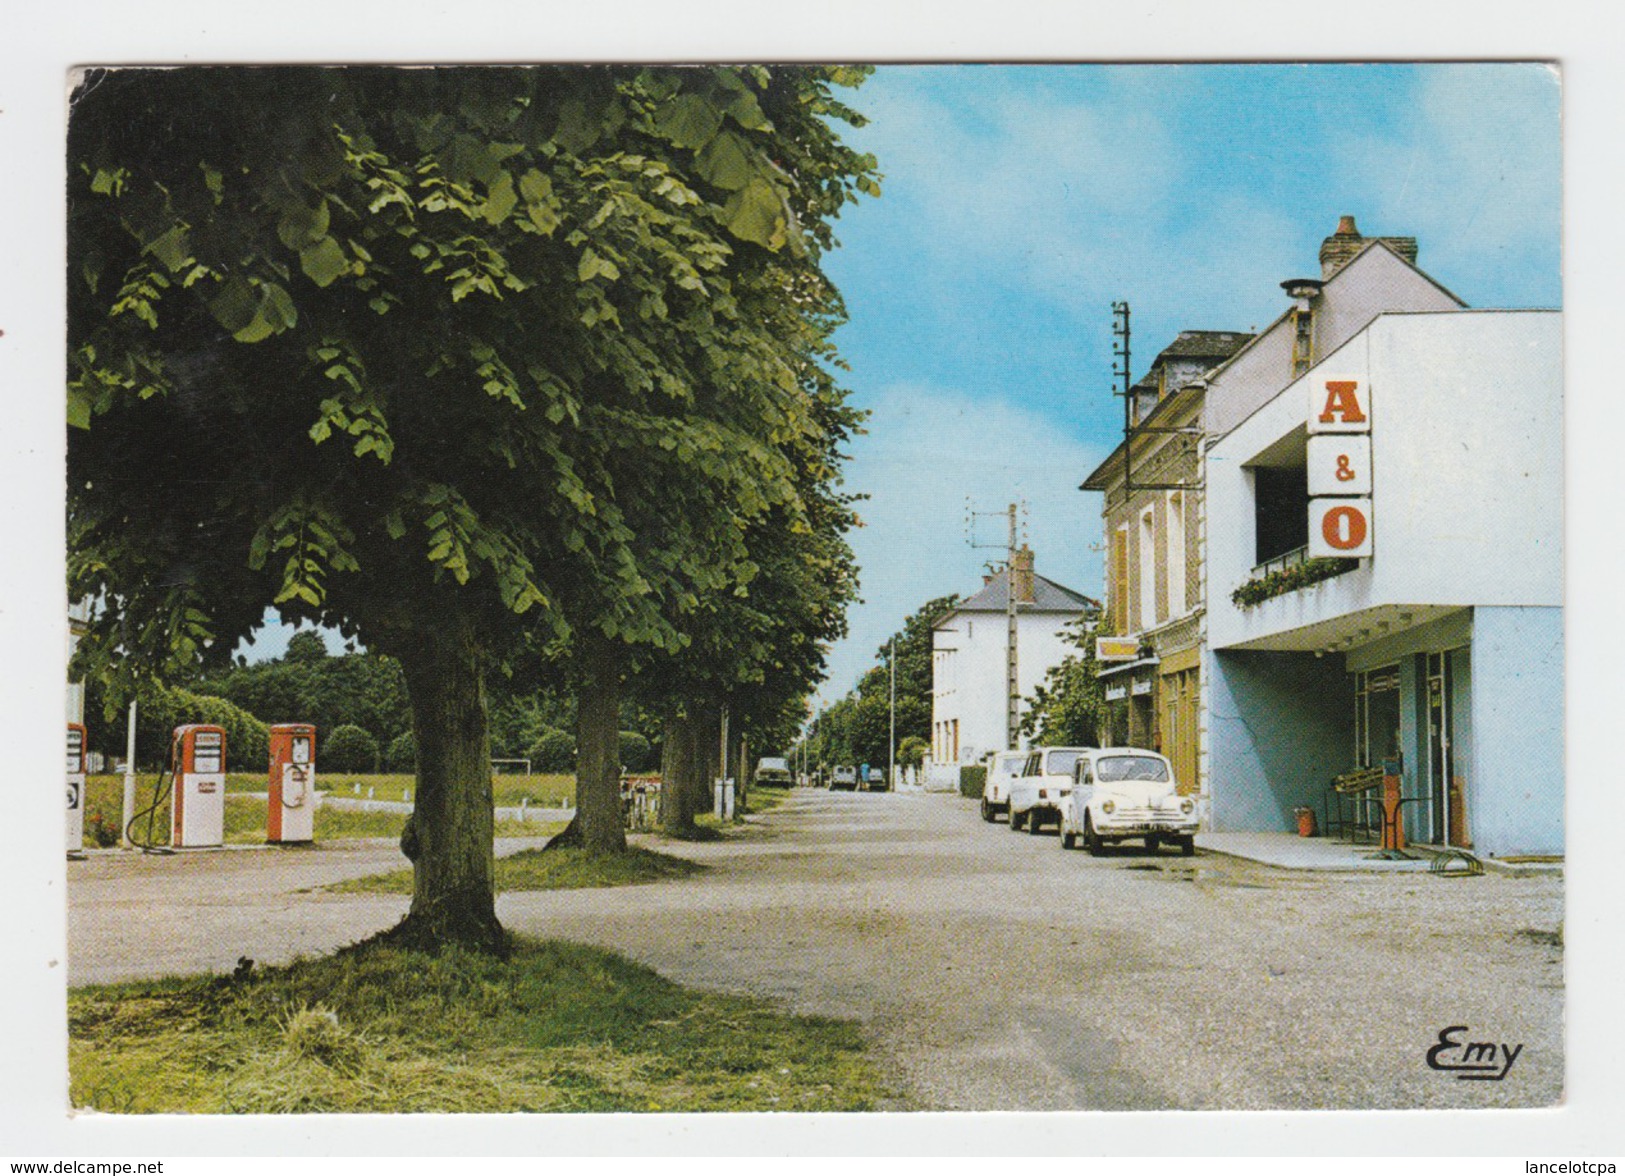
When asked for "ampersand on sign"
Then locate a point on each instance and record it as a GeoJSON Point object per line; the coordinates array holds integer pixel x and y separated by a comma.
{"type": "Point", "coordinates": [1344, 474]}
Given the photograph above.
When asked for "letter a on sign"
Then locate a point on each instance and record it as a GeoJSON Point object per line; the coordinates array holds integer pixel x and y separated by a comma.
{"type": "Point", "coordinates": [1339, 404]}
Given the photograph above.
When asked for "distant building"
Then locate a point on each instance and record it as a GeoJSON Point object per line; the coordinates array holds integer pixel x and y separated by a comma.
{"type": "Point", "coordinates": [968, 661]}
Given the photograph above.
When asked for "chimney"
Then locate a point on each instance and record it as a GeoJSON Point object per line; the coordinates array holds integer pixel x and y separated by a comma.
{"type": "Point", "coordinates": [1339, 249]}
{"type": "Point", "coordinates": [1024, 575]}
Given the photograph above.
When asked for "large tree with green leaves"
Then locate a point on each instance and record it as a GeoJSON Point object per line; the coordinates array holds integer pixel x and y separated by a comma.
{"type": "Point", "coordinates": [442, 358]}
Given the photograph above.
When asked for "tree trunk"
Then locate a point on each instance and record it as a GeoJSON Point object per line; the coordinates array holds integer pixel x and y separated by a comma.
{"type": "Point", "coordinates": [678, 770]}
{"type": "Point", "coordinates": [598, 748]}
{"type": "Point", "coordinates": [449, 834]}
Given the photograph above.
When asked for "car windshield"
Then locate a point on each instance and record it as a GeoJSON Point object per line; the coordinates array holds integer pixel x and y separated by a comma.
{"type": "Point", "coordinates": [1131, 767]}
{"type": "Point", "coordinates": [1060, 763]}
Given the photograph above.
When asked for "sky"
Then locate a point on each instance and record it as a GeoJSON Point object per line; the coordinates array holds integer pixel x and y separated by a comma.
{"type": "Point", "coordinates": [1020, 201]}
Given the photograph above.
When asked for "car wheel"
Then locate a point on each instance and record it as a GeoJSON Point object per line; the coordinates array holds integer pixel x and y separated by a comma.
{"type": "Point", "coordinates": [1015, 821]}
{"type": "Point", "coordinates": [987, 811]}
{"type": "Point", "coordinates": [1067, 840]}
{"type": "Point", "coordinates": [1091, 839]}
{"type": "Point", "coordinates": [1153, 843]}
{"type": "Point", "coordinates": [1187, 846]}
{"type": "Point", "coordinates": [1035, 822]}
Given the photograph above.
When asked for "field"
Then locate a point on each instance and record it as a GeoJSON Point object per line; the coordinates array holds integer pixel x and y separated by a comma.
{"type": "Point", "coordinates": [246, 815]}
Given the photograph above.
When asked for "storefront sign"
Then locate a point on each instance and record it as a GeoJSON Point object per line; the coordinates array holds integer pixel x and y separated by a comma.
{"type": "Point", "coordinates": [1339, 527]}
{"type": "Point", "coordinates": [1339, 467]}
{"type": "Point", "coordinates": [1109, 649]}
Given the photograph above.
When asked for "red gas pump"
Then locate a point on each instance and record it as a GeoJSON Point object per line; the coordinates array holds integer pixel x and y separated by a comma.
{"type": "Point", "coordinates": [291, 815]}
{"type": "Point", "coordinates": [198, 808]}
{"type": "Point", "coordinates": [76, 787]}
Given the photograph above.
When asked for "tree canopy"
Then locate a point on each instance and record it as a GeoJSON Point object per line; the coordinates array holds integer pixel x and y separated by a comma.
{"type": "Point", "coordinates": [442, 358]}
{"type": "Point", "coordinates": [857, 728]}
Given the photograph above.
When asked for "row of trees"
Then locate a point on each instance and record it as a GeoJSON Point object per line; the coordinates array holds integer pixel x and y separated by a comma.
{"type": "Point", "coordinates": [856, 729]}
{"type": "Point", "coordinates": [496, 371]}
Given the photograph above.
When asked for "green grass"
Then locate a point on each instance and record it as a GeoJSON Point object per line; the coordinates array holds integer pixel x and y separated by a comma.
{"type": "Point", "coordinates": [554, 869]}
{"type": "Point", "coordinates": [557, 1027]}
{"type": "Point", "coordinates": [246, 816]}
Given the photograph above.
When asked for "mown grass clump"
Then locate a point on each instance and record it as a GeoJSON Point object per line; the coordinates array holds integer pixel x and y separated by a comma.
{"type": "Point", "coordinates": [556, 1027]}
{"type": "Point", "coordinates": [553, 869]}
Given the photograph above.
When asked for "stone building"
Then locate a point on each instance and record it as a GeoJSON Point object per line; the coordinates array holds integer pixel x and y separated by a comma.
{"type": "Point", "coordinates": [1149, 651]}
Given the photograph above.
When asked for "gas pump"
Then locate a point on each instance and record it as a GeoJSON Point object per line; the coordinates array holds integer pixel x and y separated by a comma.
{"type": "Point", "coordinates": [291, 815]}
{"type": "Point", "coordinates": [198, 808]}
{"type": "Point", "coordinates": [76, 787]}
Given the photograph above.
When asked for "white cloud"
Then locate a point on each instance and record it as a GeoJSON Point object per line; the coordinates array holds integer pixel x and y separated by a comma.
{"type": "Point", "coordinates": [928, 451]}
{"type": "Point", "coordinates": [1476, 176]}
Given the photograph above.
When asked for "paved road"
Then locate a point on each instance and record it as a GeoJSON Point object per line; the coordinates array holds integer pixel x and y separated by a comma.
{"type": "Point", "coordinates": [994, 970]}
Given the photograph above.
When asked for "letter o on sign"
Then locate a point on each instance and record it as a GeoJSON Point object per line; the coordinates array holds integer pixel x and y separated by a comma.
{"type": "Point", "coordinates": [1344, 528]}
{"type": "Point", "coordinates": [1339, 528]}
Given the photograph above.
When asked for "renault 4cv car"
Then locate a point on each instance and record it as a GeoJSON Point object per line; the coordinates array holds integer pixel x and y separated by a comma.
{"type": "Point", "coordinates": [1037, 795]}
{"type": "Point", "coordinates": [1123, 792]}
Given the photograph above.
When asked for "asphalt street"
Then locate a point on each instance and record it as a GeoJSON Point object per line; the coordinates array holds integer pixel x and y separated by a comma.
{"type": "Point", "coordinates": [994, 971]}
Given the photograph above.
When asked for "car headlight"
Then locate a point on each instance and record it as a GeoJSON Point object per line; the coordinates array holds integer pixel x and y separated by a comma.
{"type": "Point", "coordinates": [1106, 806]}
{"type": "Point", "coordinates": [1187, 806]}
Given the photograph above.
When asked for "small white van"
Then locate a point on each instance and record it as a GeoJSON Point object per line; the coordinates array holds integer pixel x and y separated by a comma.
{"type": "Point", "coordinates": [1045, 783]}
{"type": "Point", "coordinates": [1002, 768]}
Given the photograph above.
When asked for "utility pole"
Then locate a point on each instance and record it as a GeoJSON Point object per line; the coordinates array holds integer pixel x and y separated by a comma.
{"type": "Point", "coordinates": [1012, 713]}
{"type": "Point", "coordinates": [891, 753]}
{"type": "Point", "coordinates": [1012, 682]}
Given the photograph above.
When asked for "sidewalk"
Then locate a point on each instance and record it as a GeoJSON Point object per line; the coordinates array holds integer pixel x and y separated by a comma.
{"type": "Point", "coordinates": [1291, 852]}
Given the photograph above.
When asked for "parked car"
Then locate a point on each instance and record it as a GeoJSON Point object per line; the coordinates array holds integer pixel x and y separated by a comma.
{"type": "Point", "coordinates": [1002, 768]}
{"type": "Point", "coordinates": [1120, 792]}
{"type": "Point", "coordinates": [1037, 794]}
{"type": "Point", "coordinates": [877, 780]}
{"type": "Point", "coordinates": [845, 777]}
{"type": "Point", "coordinates": [773, 770]}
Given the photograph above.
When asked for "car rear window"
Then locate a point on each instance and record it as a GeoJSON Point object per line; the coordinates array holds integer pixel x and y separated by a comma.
{"type": "Point", "coordinates": [1131, 767]}
{"type": "Point", "coordinates": [1060, 763]}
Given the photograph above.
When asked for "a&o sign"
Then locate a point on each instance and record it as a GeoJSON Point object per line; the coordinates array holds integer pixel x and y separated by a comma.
{"type": "Point", "coordinates": [1340, 522]}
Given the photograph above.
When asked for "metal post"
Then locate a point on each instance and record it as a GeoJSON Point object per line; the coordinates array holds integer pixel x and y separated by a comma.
{"type": "Point", "coordinates": [891, 751]}
{"type": "Point", "coordinates": [129, 781]}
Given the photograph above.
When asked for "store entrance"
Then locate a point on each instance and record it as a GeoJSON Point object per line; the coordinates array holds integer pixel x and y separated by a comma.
{"type": "Point", "coordinates": [1446, 787]}
{"type": "Point", "coordinates": [1376, 718]}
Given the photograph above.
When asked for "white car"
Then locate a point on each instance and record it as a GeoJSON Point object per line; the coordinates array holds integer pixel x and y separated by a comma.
{"type": "Point", "coordinates": [1120, 792]}
{"type": "Point", "coordinates": [1038, 794]}
{"type": "Point", "coordinates": [845, 777]}
{"type": "Point", "coordinates": [1002, 767]}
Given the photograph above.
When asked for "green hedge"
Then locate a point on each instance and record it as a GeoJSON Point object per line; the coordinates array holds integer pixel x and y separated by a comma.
{"type": "Point", "coordinates": [972, 777]}
{"type": "Point", "coordinates": [160, 709]}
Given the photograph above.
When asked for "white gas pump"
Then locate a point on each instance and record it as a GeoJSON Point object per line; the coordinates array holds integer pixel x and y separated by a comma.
{"type": "Point", "coordinates": [197, 815]}
{"type": "Point", "coordinates": [76, 787]}
{"type": "Point", "coordinates": [291, 813]}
